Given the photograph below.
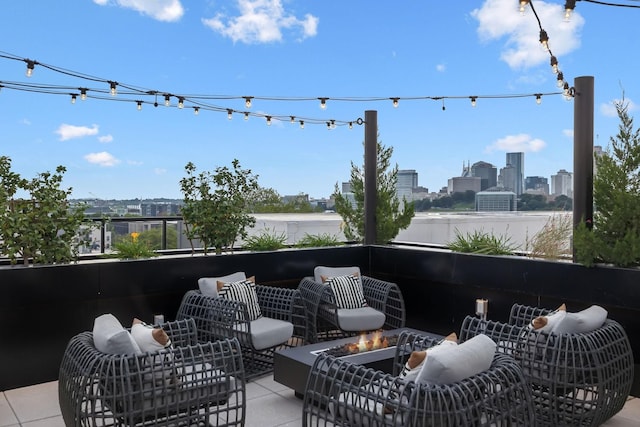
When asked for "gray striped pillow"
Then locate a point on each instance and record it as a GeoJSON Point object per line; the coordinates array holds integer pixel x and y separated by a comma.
{"type": "Point", "coordinates": [347, 291]}
{"type": "Point", "coordinates": [243, 291]}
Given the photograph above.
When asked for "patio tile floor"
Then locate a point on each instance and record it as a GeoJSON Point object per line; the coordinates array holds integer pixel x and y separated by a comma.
{"type": "Point", "coordinates": [269, 404]}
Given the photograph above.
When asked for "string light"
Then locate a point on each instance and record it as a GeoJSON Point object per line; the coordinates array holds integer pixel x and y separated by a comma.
{"type": "Point", "coordinates": [246, 115]}
{"type": "Point", "coordinates": [180, 102]}
{"type": "Point", "coordinates": [395, 102]}
{"type": "Point", "coordinates": [196, 110]}
{"type": "Point", "coordinates": [292, 119]}
{"type": "Point", "coordinates": [301, 124]}
{"type": "Point", "coordinates": [544, 39]}
{"type": "Point", "coordinates": [523, 5]}
{"type": "Point", "coordinates": [73, 98]}
{"type": "Point", "coordinates": [113, 89]}
{"type": "Point", "coordinates": [350, 125]}
{"type": "Point", "coordinates": [323, 103]}
{"type": "Point", "coordinates": [83, 94]}
{"type": "Point", "coordinates": [554, 64]}
{"type": "Point", "coordinates": [268, 120]}
{"type": "Point", "coordinates": [139, 105]}
{"type": "Point", "coordinates": [538, 98]}
{"type": "Point", "coordinates": [560, 81]}
{"type": "Point", "coordinates": [568, 9]}
{"type": "Point", "coordinates": [247, 101]}
{"type": "Point", "coordinates": [229, 113]}
{"type": "Point", "coordinates": [473, 100]}
{"type": "Point", "coordinates": [328, 126]}
{"type": "Point", "coordinates": [30, 66]}
{"type": "Point", "coordinates": [167, 100]}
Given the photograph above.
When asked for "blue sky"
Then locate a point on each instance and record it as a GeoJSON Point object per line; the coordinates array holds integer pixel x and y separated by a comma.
{"type": "Point", "coordinates": [296, 51]}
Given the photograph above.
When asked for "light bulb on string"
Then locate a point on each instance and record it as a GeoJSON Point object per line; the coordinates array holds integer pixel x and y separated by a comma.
{"type": "Point", "coordinates": [523, 5]}
{"type": "Point", "coordinates": [268, 120]}
{"type": "Point", "coordinates": [544, 39]}
{"type": "Point", "coordinates": [229, 113]}
{"type": "Point", "coordinates": [554, 64]}
{"type": "Point", "coordinates": [560, 81]}
{"type": "Point", "coordinates": [292, 119]}
{"type": "Point", "coordinates": [247, 101]}
{"type": "Point", "coordinates": [323, 103]}
{"type": "Point", "coordinates": [113, 88]}
{"type": "Point", "coordinates": [83, 94]}
{"type": "Point", "coordinates": [538, 98]}
{"type": "Point", "coordinates": [196, 110]}
{"type": "Point", "coordinates": [301, 124]}
{"type": "Point", "coordinates": [333, 124]}
{"type": "Point", "coordinates": [180, 102]}
{"type": "Point", "coordinates": [328, 126]}
{"type": "Point", "coordinates": [30, 66]}
{"type": "Point", "coordinates": [568, 9]}
{"type": "Point", "coordinates": [350, 125]}
{"type": "Point", "coordinates": [167, 100]}
{"type": "Point", "coordinates": [246, 115]}
{"type": "Point", "coordinates": [139, 105]}
{"type": "Point", "coordinates": [473, 100]}
{"type": "Point", "coordinates": [395, 102]}
{"type": "Point", "coordinates": [73, 98]}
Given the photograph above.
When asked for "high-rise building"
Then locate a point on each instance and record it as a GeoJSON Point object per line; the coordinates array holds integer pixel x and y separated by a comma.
{"type": "Point", "coordinates": [461, 184]}
{"type": "Point", "coordinates": [487, 173]}
{"type": "Point", "coordinates": [562, 183]}
{"type": "Point", "coordinates": [507, 178]}
{"type": "Point", "coordinates": [517, 161]}
{"type": "Point", "coordinates": [537, 184]}
{"type": "Point", "coordinates": [407, 181]}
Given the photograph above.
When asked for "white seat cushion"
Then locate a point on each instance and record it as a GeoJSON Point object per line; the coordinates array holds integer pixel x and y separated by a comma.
{"type": "Point", "coordinates": [321, 271]}
{"type": "Point", "coordinates": [360, 319]}
{"type": "Point", "coordinates": [267, 332]}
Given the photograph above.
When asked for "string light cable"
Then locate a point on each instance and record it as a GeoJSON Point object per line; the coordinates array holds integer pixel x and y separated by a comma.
{"type": "Point", "coordinates": [140, 96]}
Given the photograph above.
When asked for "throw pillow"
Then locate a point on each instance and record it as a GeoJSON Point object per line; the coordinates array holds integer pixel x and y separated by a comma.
{"type": "Point", "coordinates": [347, 291]}
{"type": "Point", "coordinates": [149, 338]}
{"type": "Point", "coordinates": [583, 321]}
{"type": "Point", "coordinates": [243, 291]}
{"type": "Point", "coordinates": [453, 363]}
{"type": "Point", "coordinates": [322, 273]}
{"type": "Point", "coordinates": [417, 358]}
{"type": "Point", "coordinates": [550, 321]}
{"type": "Point", "coordinates": [109, 336]}
{"type": "Point", "coordinates": [209, 285]}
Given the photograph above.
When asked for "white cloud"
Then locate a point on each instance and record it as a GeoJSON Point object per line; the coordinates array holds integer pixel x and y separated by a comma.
{"type": "Point", "coordinates": [568, 133]}
{"type": "Point", "coordinates": [609, 109]}
{"type": "Point", "coordinates": [105, 139]}
{"type": "Point", "coordinates": [498, 19]}
{"type": "Point", "coordinates": [441, 68]}
{"type": "Point", "coordinates": [517, 143]}
{"type": "Point", "coordinates": [161, 10]}
{"type": "Point", "coordinates": [71, 132]}
{"type": "Point", "coordinates": [159, 171]}
{"type": "Point", "coordinates": [103, 159]}
{"type": "Point", "coordinates": [261, 21]}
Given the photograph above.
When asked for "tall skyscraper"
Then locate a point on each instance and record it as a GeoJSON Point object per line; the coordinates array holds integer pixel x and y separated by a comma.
{"type": "Point", "coordinates": [562, 183]}
{"type": "Point", "coordinates": [517, 161]}
{"type": "Point", "coordinates": [537, 183]}
{"type": "Point", "coordinates": [487, 173]}
{"type": "Point", "coordinates": [407, 181]}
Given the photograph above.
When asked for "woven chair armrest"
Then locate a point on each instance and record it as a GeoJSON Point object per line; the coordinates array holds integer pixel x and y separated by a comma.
{"type": "Point", "coordinates": [408, 342]}
{"type": "Point", "coordinates": [276, 302]}
{"type": "Point", "coordinates": [386, 297]}
{"type": "Point", "coordinates": [314, 293]}
{"type": "Point", "coordinates": [181, 332]}
{"type": "Point", "coordinates": [522, 315]}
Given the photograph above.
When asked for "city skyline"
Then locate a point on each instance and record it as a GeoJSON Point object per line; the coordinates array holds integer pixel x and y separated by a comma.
{"type": "Point", "coordinates": [436, 60]}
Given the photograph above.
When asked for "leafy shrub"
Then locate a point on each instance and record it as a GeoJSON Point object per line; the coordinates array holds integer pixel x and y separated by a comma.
{"type": "Point", "coordinates": [266, 240]}
{"type": "Point", "coordinates": [481, 242]}
{"type": "Point", "coordinates": [553, 241]}
{"type": "Point", "coordinates": [318, 240]}
{"type": "Point", "coordinates": [132, 247]}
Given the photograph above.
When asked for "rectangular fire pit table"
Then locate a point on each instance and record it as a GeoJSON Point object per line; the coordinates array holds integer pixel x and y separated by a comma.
{"type": "Point", "coordinates": [291, 366]}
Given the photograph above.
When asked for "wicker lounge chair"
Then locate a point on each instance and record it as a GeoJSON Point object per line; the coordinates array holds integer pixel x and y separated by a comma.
{"type": "Point", "coordinates": [282, 323]}
{"type": "Point", "coordinates": [342, 393]}
{"type": "Point", "coordinates": [326, 320]}
{"type": "Point", "coordinates": [189, 384]}
{"type": "Point", "coordinates": [576, 378]}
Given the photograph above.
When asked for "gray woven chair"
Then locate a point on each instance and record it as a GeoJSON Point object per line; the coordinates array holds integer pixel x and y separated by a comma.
{"type": "Point", "coordinates": [188, 384]}
{"type": "Point", "coordinates": [218, 318]}
{"type": "Point", "coordinates": [346, 394]}
{"type": "Point", "coordinates": [325, 321]}
{"type": "Point", "coordinates": [576, 378]}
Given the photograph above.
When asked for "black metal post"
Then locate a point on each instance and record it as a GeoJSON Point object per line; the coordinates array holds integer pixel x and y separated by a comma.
{"type": "Point", "coordinates": [583, 152]}
{"type": "Point", "coordinates": [370, 174]}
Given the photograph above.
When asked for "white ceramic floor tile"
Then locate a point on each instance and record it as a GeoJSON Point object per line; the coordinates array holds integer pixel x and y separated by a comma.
{"type": "Point", "coordinates": [255, 390]}
{"type": "Point", "coordinates": [7, 417]}
{"type": "Point", "coordinates": [272, 385]}
{"type": "Point", "coordinates": [272, 410]}
{"type": "Point", "coordinates": [34, 402]}
{"type": "Point", "coordinates": [47, 422]}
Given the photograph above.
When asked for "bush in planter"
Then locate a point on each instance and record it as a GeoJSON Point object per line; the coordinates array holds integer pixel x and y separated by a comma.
{"type": "Point", "coordinates": [215, 205]}
{"type": "Point", "coordinates": [615, 233]}
{"type": "Point", "coordinates": [266, 240]}
{"type": "Point", "coordinates": [132, 247]}
{"type": "Point", "coordinates": [318, 240]}
{"type": "Point", "coordinates": [44, 228]}
{"type": "Point", "coordinates": [481, 242]}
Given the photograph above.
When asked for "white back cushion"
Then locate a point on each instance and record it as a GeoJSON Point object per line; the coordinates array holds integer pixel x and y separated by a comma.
{"type": "Point", "coordinates": [209, 285]}
{"type": "Point", "coordinates": [329, 272]}
{"type": "Point", "coordinates": [110, 337]}
{"type": "Point", "coordinates": [583, 321]}
{"type": "Point", "coordinates": [452, 363]}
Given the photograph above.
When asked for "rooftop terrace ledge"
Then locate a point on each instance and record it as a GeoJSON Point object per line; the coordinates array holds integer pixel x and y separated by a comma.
{"type": "Point", "coordinates": [44, 306]}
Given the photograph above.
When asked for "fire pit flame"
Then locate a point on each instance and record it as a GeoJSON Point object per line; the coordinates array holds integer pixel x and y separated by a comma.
{"type": "Point", "coordinates": [377, 342]}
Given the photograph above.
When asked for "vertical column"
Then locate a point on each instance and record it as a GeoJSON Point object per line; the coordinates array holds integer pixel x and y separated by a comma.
{"type": "Point", "coordinates": [370, 174]}
{"type": "Point", "coordinates": [583, 151]}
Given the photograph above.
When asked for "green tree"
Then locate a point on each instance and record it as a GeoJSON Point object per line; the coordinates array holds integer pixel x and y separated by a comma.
{"type": "Point", "coordinates": [264, 200]}
{"type": "Point", "coordinates": [215, 208]}
{"type": "Point", "coordinates": [615, 237]}
{"type": "Point", "coordinates": [391, 217]}
{"type": "Point", "coordinates": [43, 228]}
{"type": "Point", "coordinates": [532, 202]}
